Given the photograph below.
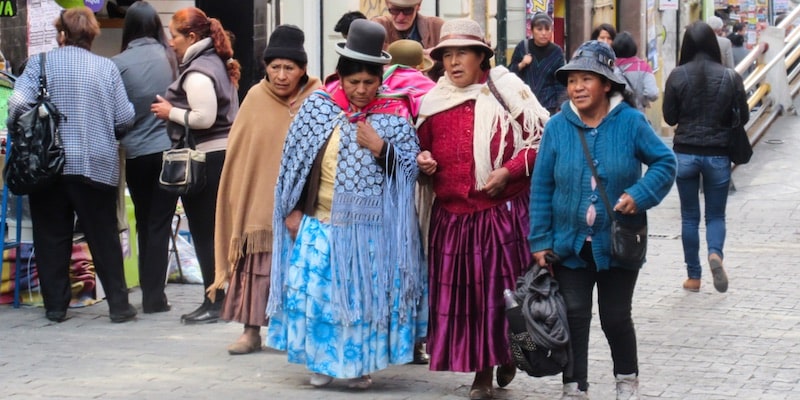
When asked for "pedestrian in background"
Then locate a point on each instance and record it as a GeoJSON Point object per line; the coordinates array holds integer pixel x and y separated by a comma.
{"type": "Point", "coordinates": [346, 277]}
{"type": "Point", "coordinates": [148, 67]}
{"type": "Point", "coordinates": [536, 61]}
{"type": "Point", "coordinates": [605, 33]}
{"type": "Point", "coordinates": [704, 99]}
{"type": "Point", "coordinates": [568, 218]}
{"type": "Point", "coordinates": [636, 71]}
{"type": "Point", "coordinates": [725, 47]}
{"type": "Point", "coordinates": [95, 107]}
{"type": "Point", "coordinates": [405, 22]}
{"type": "Point", "coordinates": [204, 95]}
{"type": "Point", "coordinates": [343, 24]}
{"type": "Point", "coordinates": [243, 235]}
{"type": "Point", "coordinates": [479, 130]}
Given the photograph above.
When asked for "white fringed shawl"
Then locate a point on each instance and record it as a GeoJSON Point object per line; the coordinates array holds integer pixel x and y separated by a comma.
{"type": "Point", "coordinates": [490, 115]}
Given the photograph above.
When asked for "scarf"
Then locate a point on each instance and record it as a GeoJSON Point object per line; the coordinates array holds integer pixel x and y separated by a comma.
{"type": "Point", "coordinates": [491, 117]}
{"type": "Point", "coordinates": [373, 226]}
{"type": "Point", "coordinates": [380, 105]}
{"type": "Point", "coordinates": [408, 84]}
{"type": "Point", "coordinates": [245, 198]}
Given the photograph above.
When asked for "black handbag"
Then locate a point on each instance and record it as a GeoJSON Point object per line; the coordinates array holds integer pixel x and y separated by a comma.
{"type": "Point", "coordinates": [628, 234]}
{"type": "Point", "coordinates": [183, 169]}
{"type": "Point", "coordinates": [37, 154]}
{"type": "Point", "coordinates": [739, 148]}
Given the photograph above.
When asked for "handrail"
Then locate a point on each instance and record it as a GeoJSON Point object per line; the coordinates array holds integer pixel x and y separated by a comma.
{"type": "Point", "coordinates": [751, 58]}
{"type": "Point", "coordinates": [787, 21]}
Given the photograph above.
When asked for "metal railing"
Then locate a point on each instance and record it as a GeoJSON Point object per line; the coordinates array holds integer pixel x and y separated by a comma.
{"type": "Point", "coordinates": [773, 68]}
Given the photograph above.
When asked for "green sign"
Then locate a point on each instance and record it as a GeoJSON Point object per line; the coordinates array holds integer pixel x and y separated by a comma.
{"type": "Point", "coordinates": [8, 8]}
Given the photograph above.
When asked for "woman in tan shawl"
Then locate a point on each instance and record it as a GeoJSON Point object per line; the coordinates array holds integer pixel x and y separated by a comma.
{"type": "Point", "coordinates": [243, 235]}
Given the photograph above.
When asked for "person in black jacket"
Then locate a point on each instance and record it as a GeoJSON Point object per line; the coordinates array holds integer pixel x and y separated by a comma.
{"type": "Point", "coordinates": [707, 101]}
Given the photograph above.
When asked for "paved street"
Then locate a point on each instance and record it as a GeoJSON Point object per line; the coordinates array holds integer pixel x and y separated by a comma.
{"type": "Point", "coordinates": [743, 344]}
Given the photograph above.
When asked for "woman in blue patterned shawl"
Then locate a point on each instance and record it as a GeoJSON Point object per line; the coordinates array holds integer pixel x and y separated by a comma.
{"type": "Point", "coordinates": [347, 268]}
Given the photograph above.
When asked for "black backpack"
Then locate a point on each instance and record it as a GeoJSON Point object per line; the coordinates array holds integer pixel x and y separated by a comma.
{"type": "Point", "coordinates": [37, 154]}
{"type": "Point", "coordinates": [538, 330]}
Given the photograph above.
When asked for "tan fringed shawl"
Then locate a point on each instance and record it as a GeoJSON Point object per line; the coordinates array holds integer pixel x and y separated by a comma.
{"type": "Point", "coordinates": [247, 187]}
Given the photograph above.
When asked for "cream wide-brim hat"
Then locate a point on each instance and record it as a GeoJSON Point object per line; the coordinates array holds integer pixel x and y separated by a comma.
{"type": "Point", "coordinates": [461, 33]}
{"type": "Point", "coordinates": [404, 3]}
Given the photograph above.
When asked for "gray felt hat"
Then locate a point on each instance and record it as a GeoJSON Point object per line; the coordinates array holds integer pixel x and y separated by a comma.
{"type": "Point", "coordinates": [593, 56]}
{"type": "Point", "coordinates": [365, 43]}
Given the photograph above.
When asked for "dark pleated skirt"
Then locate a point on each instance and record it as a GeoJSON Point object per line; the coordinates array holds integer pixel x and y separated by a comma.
{"type": "Point", "coordinates": [248, 290]}
{"type": "Point", "coordinates": [472, 259]}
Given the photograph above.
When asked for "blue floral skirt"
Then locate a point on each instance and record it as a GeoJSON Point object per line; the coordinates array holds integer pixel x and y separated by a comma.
{"type": "Point", "coordinates": [308, 329]}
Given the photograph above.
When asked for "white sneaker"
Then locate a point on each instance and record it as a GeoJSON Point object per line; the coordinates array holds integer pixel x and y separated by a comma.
{"type": "Point", "coordinates": [570, 391]}
{"type": "Point", "coordinates": [628, 387]}
{"type": "Point", "coordinates": [320, 380]}
{"type": "Point", "coordinates": [362, 382]}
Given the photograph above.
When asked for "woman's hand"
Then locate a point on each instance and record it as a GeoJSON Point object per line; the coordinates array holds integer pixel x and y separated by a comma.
{"type": "Point", "coordinates": [161, 108]}
{"type": "Point", "coordinates": [497, 182]}
{"type": "Point", "coordinates": [527, 60]}
{"type": "Point", "coordinates": [367, 137]}
{"type": "Point", "coordinates": [625, 204]}
{"type": "Point", "coordinates": [541, 257]}
{"type": "Point", "coordinates": [292, 223]}
{"type": "Point", "coordinates": [426, 163]}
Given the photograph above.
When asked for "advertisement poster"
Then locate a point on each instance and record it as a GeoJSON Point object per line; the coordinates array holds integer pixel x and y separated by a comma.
{"type": "Point", "coordinates": [531, 8]}
{"type": "Point", "coordinates": [41, 32]}
{"type": "Point", "coordinates": [651, 52]}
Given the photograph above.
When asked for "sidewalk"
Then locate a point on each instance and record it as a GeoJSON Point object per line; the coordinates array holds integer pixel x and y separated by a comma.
{"type": "Point", "coordinates": [743, 344]}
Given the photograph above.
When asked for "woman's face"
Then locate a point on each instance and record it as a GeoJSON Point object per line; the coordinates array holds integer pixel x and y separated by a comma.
{"type": "Point", "coordinates": [284, 75]}
{"type": "Point", "coordinates": [542, 35]}
{"type": "Point", "coordinates": [180, 42]}
{"type": "Point", "coordinates": [463, 65]}
{"type": "Point", "coordinates": [587, 91]}
{"type": "Point", "coordinates": [604, 36]}
{"type": "Point", "coordinates": [361, 88]}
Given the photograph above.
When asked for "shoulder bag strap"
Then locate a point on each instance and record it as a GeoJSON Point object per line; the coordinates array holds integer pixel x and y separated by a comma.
{"type": "Point", "coordinates": [187, 133]}
{"type": "Point", "coordinates": [600, 187]}
{"type": "Point", "coordinates": [496, 93]}
{"type": "Point", "coordinates": [43, 76]}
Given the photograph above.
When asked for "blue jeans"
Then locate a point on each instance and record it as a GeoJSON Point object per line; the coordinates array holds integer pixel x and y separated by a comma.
{"type": "Point", "coordinates": [716, 177]}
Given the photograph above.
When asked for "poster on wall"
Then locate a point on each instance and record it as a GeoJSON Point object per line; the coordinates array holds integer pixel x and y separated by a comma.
{"type": "Point", "coordinates": [651, 52]}
{"type": "Point", "coordinates": [531, 8]}
{"type": "Point", "coordinates": [41, 32]}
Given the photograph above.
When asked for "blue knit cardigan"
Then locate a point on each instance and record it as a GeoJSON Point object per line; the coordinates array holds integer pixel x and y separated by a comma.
{"type": "Point", "coordinates": [561, 187]}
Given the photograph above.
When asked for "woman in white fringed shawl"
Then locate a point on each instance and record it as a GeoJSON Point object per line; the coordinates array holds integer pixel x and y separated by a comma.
{"type": "Point", "coordinates": [478, 146]}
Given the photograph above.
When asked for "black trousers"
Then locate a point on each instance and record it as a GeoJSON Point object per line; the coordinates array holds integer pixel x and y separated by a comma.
{"type": "Point", "coordinates": [53, 215]}
{"type": "Point", "coordinates": [154, 209]}
{"type": "Point", "coordinates": [200, 210]}
{"type": "Point", "coordinates": [614, 299]}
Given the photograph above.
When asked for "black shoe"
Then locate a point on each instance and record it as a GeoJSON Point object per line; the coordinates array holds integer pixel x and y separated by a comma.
{"type": "Point", "coordinates": [123, 316]}
{"type": "Point", "coordinates": [203, 308]}
{"type": "Point", "coordinates": [209, 316]}
{"type": "Point", "coordinates": [56, 315]}
{"type": "Point", "coordinates": [420, 356]}
{"type": "Point", "coordinates": [161, 308]}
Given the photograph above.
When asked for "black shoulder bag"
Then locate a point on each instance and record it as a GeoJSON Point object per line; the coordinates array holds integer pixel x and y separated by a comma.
{"type": "Point", "coordinates": [628, 239]}
{"type": "Point", "coordinates": [183, 169]}
{"type": "Point", "coordinates": [37, 154]}
{"type": "Point", "coordinates": [739, 148]}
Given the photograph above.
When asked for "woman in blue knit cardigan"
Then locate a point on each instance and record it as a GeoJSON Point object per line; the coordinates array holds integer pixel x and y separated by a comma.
{"type": "Point", "coordinates": [569, 219]}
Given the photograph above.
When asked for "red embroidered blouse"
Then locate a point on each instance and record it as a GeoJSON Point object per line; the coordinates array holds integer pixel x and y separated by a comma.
{"type": "Point", "coordinates": [448, 136]}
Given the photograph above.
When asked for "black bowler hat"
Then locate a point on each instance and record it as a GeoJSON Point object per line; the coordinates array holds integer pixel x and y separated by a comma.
{"type": "Point", "coordinates": [365, 43]}
{"type": "Point", "coordinates": [287, 42]}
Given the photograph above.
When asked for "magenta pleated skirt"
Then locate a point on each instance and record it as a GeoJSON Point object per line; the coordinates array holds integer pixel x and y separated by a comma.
{"type": "Point", "coordinates": [472, 259]}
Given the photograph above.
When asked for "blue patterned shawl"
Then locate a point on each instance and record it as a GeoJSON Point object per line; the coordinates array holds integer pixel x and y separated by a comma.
{"type": "Point", "coordinates": [370, 209]}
